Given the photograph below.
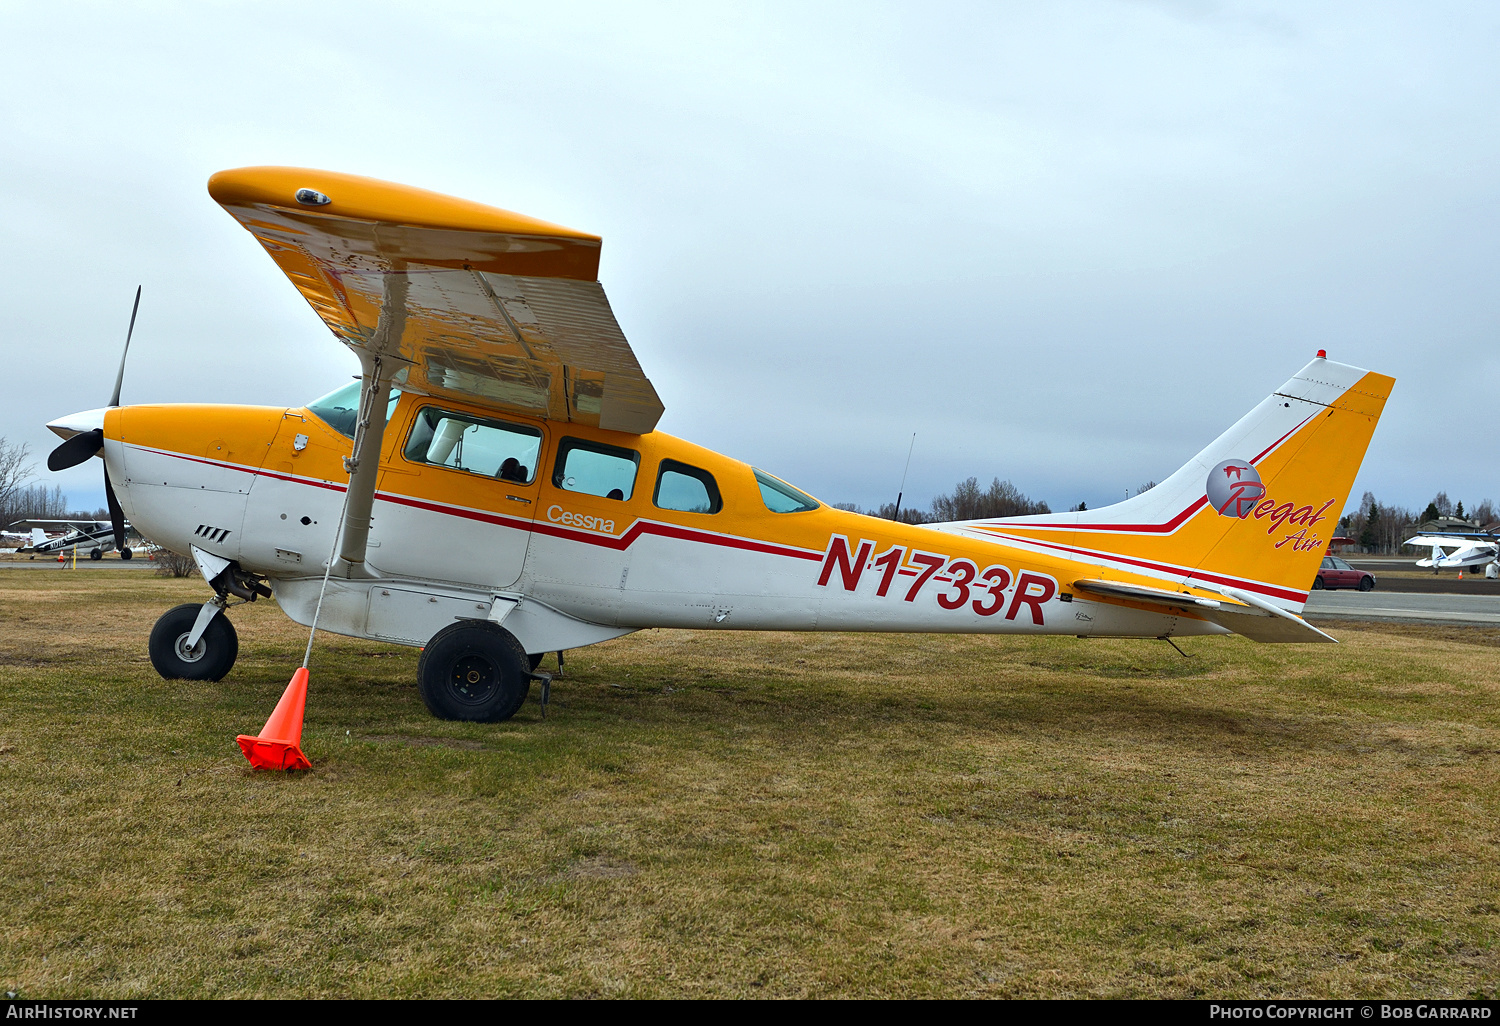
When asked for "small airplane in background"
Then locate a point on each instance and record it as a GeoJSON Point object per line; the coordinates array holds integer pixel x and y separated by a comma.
{"type": "Point", "coordinates": [95, 537]}
{"type": "Point", "coordinates": [494, 486]}
{"type": "Point", "coordinates": [1469, 550]}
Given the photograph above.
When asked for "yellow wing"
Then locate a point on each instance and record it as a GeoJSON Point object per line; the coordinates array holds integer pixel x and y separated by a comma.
{"type": "Point", "coordinates": [481, 304]}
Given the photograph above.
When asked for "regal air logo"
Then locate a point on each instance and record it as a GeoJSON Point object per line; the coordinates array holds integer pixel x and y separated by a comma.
{"type": "Point", "coordinates": [1235, 489]}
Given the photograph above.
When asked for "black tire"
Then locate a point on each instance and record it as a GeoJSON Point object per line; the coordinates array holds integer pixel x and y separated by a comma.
{"type": "Point", "coordinates": [1367, 583]}
{"type": "Point", "coordinates": [1317, 584]}
{"type": "Point", "coordinates": [474, 671]}
{"type": "Point", "coordinates": [211, 659]}
{"type": "Point", "coordinates": [126, 553]}
{"type": "Point", "coordinates": [96, 553]}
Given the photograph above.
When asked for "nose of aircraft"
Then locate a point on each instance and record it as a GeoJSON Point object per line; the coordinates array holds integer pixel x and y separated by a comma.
{"type": "Point", "coordinates": [77, 423]}
{"type": "Point", "coordinates": [83, 435]}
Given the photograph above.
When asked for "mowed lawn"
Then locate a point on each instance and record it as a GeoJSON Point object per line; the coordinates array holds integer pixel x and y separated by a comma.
{"type": "Point", "coordinates": [725, 814]}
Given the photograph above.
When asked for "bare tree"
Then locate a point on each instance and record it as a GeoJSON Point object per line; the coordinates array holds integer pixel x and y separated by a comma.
{"type": "Point", "coordinates": [172, 564]}
{"type": "Point", "coordinates": [967, 502]}
{"type": "Point", "coordinates": [15, 470]}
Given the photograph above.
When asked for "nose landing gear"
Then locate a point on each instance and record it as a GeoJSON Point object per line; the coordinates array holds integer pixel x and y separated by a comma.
{"type": "Point", "coordinates": [211, 657]}
{"type": "Point", "coordinates": [197, 642]}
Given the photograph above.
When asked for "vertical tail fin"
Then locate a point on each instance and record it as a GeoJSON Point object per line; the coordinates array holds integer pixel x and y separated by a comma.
{"type": "Point", "coordinates": [1253, 511]}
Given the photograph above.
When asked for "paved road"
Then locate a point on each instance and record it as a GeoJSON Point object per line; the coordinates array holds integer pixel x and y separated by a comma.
{"type": "Point", "coordinates": [1406, 606]}
{"type": "Point", "coordinates": [51, 563]}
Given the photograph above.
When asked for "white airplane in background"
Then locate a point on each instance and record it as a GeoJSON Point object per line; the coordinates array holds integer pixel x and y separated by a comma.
{"type": "Point", "coordinates": [1468, 550]}
{"type": "Point", "coordinates": [96, 537]}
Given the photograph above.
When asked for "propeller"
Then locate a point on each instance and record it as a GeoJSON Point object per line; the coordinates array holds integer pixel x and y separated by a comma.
{"type": "Point", "coordinates": [88, 444]}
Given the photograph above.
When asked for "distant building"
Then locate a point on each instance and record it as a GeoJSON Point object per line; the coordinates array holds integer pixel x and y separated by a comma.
{"type": "Point", "coordinates": [1441, 525]}
{"type": "Point", "coordinates": [1338, 543]}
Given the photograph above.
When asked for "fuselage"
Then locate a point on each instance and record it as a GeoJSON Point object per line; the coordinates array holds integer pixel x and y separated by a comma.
{"type": "Point", "coordinates": [607, 531]}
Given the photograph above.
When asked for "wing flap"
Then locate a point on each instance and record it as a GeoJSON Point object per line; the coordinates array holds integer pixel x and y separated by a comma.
{"type": "Point", "coordinates": [479, 304]}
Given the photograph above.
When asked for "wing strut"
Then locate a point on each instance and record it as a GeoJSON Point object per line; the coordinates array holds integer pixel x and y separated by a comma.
{"type": "Point", "coordinates": [363, 462]}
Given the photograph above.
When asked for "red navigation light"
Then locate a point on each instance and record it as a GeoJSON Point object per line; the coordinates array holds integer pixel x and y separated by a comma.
{"type": "Point", "coordinates": [1322, 354]}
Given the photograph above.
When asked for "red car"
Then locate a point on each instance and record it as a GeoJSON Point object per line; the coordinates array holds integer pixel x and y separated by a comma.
{"type": "Point", "coordinates": [1335, 573]}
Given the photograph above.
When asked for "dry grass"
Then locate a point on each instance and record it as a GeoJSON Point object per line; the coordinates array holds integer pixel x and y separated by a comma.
{"type": "Point", "coordinates": [724, 815]}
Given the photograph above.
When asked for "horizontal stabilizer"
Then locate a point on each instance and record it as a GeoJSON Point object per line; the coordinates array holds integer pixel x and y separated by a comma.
{"type": "Point", "coordinates": [1264, 621]}
{"type": "Point", "coordinates": [1243, 613]}
{"type": "Point", "coordinates": [1150, 596]}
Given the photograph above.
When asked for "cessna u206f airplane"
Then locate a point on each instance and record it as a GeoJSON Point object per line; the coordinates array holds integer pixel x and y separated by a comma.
{"type": "Point", "coordinates": [494, 486]}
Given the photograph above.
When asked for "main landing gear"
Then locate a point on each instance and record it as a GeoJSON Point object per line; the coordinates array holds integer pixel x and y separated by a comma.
{"type": "Point", "coordinates": [193, 642]}
{"type": "Point", "coordinates": [474, 671]}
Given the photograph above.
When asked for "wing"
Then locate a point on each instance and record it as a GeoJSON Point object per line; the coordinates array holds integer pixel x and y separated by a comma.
{"type": "Point", "coordinates": [1426, 541]}
{"type": "Point", "coordinates": [480, 304]}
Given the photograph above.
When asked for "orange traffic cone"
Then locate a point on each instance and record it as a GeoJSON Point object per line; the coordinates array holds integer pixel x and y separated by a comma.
{"type": "Point", "coordinates": [279, 745]}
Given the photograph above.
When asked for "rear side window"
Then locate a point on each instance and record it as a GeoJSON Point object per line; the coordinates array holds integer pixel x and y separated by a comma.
{"type": "Point", "coordinates": [595, 469]}
{"type": "Point", "coordinates": [685, 488]}
{"type": "Point", "coordinates": [781, 497]}
{"type": "Point", "coordinates": [1327, 562]}
{"type": "Point", "coordinates": [489, 448]}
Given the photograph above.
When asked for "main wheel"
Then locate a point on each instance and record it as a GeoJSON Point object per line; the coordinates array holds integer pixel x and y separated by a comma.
{"type": "Point", "coordinates": [1317, 584]}
{"type": "Point", "coordinates": [210, 659]}
{"type": "Point", "coordinates": [474, 671]}
{"type": "Point", "coordinates": [125, 553]}
{"type": "Point", "coordinates": [96, 554]}
{"type": "Point", "coordinates": [1366, 583]}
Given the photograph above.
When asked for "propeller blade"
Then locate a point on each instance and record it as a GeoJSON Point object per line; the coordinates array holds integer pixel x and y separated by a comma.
{"type": "Point", "coordinates": [116, 514]}
{"type": "Point", "coordinates": [114, 400]}
{"type": "Point", "coordinates": [82, 446]}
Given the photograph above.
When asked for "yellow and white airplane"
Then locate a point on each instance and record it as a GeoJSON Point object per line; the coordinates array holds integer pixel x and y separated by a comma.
{"type": "Point", "coordinates": [494, 486]}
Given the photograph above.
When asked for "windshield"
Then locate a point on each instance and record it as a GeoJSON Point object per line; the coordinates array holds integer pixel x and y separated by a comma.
{"type": "Point", "coordinates": [781, 497]}
{"type": "Point", "coordinates": [339, 409]}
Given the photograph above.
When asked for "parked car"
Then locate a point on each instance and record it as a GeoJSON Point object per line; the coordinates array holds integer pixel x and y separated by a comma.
{"type": "Point", "coordinates": [1335, 573]}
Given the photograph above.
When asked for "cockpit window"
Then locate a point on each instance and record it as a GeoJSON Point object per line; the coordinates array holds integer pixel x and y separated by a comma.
{"type": "Point", "coordinates": [781, 497]}
{"type": "Point", "coordinates": [339, 409]}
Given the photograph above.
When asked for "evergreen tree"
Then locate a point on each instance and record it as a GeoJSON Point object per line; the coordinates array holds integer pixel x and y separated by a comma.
{"type": "Point", "coordinates": [1369, 538]}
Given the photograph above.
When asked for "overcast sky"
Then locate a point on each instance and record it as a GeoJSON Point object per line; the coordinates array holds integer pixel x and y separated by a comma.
{"type": "Point", "coordinates": [1065, 244]}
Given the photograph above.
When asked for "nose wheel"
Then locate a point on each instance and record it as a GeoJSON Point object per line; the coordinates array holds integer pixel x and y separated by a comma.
{"type": "Point", "coordinates": [210, 658]}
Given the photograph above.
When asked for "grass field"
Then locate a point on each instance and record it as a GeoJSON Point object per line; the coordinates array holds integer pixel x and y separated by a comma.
{"type": "Point", "coordinates": [707, 814]}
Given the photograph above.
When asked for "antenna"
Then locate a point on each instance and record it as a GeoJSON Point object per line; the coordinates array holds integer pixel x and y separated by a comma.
{"type": "Point", "coordinates": [902, 490]}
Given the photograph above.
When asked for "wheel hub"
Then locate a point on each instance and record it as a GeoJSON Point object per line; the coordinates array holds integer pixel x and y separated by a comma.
{"type": "Point", "coordinates": [189, 655]}
{"type": "Point", "coordinates": [473, 678]}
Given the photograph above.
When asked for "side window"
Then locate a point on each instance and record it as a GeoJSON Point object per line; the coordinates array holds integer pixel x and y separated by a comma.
{"type": "Point", "coordinates": [485, 447]}
{"type": "Point", "coordinates": [781, 497]}
{"type": "Point", "coordinates": [685, 488]}
{"type": "Point", "coordinates": [1341, 565]}
{"type": "Point", "coordinates": [1327, 563]}
{"type": "Point", "coordinates": [595, 469]}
